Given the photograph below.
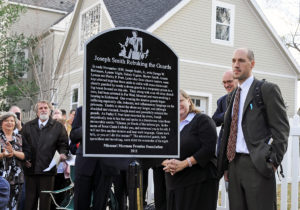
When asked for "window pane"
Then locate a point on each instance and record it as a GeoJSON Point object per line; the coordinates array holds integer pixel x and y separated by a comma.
{"type": "Point", "coordinates": [75, 96]}
{"type": "Point", "coordinates": [198, 102]}
{"type": "Point", "coordinates": [90, 24]}
{"type": "Point", "coordinates": [222, 32]}
{"type": "Point", "coordinates": [223, 15]}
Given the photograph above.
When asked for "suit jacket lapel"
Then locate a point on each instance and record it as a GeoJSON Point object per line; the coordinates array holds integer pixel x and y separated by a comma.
{"type": "Point", "coordinates": [229, 107]}
{"type": "Point", "coordinates": [249, 96]}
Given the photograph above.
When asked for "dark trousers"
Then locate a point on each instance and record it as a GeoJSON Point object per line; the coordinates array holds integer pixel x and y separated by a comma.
{"type": "Point", "coordinates": [248, 189]}
{"type": "Point", "coordinates": [34, 185]}
{"type": "Point", "coordinates": [145, 185]}
{"type": "Point", "coordinates": [201, 195]}
{"type": "Point", "coordinates": [120, 188]}
{"type": "Point", "coordinates": [97, 186]}
{"type": "Point", "coordinates": [160, 195]}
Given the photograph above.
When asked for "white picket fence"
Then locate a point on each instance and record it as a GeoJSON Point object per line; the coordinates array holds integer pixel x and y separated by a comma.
{"type": "Point", "coordinates": [291, 170]}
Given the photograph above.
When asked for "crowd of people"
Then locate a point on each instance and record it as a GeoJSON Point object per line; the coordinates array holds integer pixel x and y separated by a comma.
{"type": "Point", "coordinates": [27, 150]}
{"type": "Point", "coordinates": [250, 148]}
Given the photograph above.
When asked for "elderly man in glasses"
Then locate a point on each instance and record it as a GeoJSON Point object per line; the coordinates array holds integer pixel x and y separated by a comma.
{"type": "Point", "coordinates": [229, 84]}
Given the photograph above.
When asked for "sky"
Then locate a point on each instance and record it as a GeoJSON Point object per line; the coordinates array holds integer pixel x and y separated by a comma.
{"type": "Point", "coordinates": [284, 16]}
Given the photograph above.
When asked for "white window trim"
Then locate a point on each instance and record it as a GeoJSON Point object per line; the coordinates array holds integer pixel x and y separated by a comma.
{"type": "Point", "coordinates": [80, 52]}
{"type": "Point", "coordinates": [216, 3]}
{"type": "Point", "coordinates": [74, 86]}
{"type": "Point", "coordinates": [205, 95]}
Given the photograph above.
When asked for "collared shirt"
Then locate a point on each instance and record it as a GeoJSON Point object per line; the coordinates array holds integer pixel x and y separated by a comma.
{"type": "Point", "coordinates": [44, 123]}
{"type": "Point", "coordinates": [16, 131]}
{"type": "Point", "coordinates": [241, 146]}
{"type": "Point", "coordinates": [187, 120]}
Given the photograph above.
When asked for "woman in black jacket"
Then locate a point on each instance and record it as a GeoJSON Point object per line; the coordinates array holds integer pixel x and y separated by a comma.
{"type": "Point", "coordinates": [191, 180]}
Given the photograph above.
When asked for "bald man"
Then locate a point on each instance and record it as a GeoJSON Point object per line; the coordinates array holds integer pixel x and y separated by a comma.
{"type": "Point", "coordinates": [229, 84]}
{"type": "Point", "coordinates": [254, 140]}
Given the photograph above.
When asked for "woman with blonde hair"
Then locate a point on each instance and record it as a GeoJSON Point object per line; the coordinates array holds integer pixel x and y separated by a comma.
{"type": "Point", "coordinates": [191, 180]}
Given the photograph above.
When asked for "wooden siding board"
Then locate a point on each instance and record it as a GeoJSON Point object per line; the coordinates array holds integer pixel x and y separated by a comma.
{"type": "Point", "coordinates": [34, 22]}
{"type": "Point", "coordinates": [64, 97]}
{"type": "Point", "coordinates": [105, 24]}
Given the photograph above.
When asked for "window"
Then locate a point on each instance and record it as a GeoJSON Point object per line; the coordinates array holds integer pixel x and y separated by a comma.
{"type": "Point", "coordinates": [89, 24]}
{"type": "Point", "coordinates": [21, 63]}
{"type": "Point", "coordinates": [74, 96]}
{"type": "Point", "coordinates": [200, 103]}
{"type": "Point", "coordinates": [222, 29]}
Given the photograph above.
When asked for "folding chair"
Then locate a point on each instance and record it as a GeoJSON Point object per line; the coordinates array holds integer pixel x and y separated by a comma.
{"type": "Point", "coordinates": [69, 205]}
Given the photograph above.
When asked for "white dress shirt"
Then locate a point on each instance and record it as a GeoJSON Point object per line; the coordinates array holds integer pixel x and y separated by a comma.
{"type": "Point", "coordinates": [44, 123]}
{"type": "Point", "coordinates": [187, 120]}
{"type": "Point", "coordinates": [241, 146]}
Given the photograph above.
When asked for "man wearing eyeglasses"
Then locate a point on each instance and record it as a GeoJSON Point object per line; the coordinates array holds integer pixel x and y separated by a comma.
{"type": "Point", "coordinates": [229, 84]}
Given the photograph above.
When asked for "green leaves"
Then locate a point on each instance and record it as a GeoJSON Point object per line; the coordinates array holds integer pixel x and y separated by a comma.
{"type": "Point", "coordinates": [15, 58]}
{"type": "Point", "coordinates": [9, 14]}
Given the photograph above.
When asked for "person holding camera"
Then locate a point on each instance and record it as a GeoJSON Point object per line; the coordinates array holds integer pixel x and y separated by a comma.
{"type": "Point", "coordinates": [17, 111]}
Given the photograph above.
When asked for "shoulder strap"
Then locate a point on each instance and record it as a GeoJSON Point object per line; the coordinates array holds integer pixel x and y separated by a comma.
{"type": "Point", "coordinates": [257, 93]}
{"type": "Point", "coordinates": [258, 98]}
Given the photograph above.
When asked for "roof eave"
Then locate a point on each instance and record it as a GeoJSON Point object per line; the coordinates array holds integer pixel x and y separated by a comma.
{"type": "Point", "coordinates": [76, 12]}
{"type": "Point", "coordinates": [39, 8]}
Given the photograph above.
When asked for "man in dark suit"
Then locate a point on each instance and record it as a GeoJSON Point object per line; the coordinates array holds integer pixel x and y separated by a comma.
{"type": "Point", "coordinates": [229, 85]}
{"type": "Point", "coordinates": [91, 175]}
{"type": "Point", "coordinates": [254, 139]}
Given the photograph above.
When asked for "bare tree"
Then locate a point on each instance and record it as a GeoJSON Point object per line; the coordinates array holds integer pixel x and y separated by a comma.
{"type": "Point", "coordinates": [285, 17]}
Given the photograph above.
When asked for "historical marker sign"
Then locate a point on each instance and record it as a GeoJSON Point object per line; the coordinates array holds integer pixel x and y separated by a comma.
{"type": "Point", "coordinates": [130, 96]}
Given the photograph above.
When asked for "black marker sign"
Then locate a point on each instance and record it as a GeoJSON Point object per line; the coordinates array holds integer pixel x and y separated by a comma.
{"type": "Point", "coordinates": [130, 96]}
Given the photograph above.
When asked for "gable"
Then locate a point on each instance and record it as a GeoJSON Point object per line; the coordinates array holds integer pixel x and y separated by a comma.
{"type": "Point", "coordinates": [71, 48]}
